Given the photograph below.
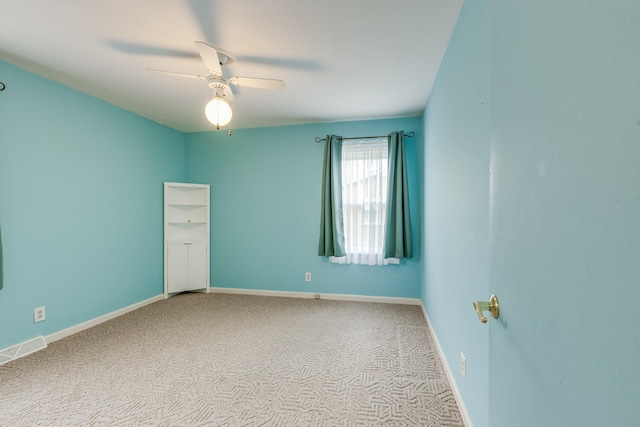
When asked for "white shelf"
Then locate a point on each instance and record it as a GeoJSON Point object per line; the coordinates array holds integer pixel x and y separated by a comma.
{"type": "Point", "coordinates": [186, 222]}
{"type": "Point", "coordinates": [186, 237]}
{"type": "Point", "coordinates": [183, 186]}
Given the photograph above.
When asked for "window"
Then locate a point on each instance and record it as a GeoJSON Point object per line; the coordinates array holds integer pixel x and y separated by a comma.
{"type": "Point", "coordinates": [364, 200]}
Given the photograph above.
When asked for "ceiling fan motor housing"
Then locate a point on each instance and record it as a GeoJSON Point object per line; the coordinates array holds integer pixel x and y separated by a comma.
{"type": "Point", "coordinates": [218, 84]}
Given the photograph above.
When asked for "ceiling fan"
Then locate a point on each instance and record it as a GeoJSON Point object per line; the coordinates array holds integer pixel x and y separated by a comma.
{"type": "Point", "coordinates": [218, 110]}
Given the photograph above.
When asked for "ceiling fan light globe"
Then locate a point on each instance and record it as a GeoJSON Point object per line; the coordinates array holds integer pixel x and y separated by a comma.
{"type": "Point", "coordinates": [218, 112]}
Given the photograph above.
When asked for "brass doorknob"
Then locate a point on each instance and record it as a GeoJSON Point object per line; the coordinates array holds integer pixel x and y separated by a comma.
{"type": "Point", "coordinates": [492, 306]}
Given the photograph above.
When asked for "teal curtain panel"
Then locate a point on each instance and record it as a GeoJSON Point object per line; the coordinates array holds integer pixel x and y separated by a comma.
{"type": "Point", "coordinates": [397, 242]}
{"type": "Point", "coordinates": [331, 242]}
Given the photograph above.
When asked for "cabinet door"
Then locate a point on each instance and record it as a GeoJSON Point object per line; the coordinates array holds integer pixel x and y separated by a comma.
{"type": "Point", "coordinates": [198, 266]}
{"type": "Point", "coordinates": [177, 267]}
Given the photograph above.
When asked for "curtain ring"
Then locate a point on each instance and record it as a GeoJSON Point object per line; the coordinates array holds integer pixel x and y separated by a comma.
{"type": "Point", "coordinates": [2, 86]}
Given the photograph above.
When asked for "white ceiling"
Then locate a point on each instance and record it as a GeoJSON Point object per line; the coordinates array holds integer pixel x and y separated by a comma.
{"type": "Point", "coordinates": [340, 59]}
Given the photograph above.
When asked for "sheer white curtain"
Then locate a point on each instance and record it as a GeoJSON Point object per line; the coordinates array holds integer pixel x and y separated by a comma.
{"type": "Point", "coordinates": [364, 200]}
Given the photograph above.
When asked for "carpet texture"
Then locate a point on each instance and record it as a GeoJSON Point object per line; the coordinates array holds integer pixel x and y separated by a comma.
{"type": "Point", "coordinates": [235, 360]}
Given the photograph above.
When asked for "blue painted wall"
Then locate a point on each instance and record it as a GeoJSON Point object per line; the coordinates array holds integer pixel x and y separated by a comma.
{"type": "Point", "coordinates": [456, 211]}
{"type": "Point", "coordinates": [265, 197]}
{"type": "Point", "coordinates": [80, 205]}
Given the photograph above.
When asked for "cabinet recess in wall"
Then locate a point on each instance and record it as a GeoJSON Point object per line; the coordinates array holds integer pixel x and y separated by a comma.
{"type": "Point", "coordinates": [186, 237]}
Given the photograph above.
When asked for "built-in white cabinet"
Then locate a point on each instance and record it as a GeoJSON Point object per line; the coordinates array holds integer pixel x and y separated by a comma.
{"type": "Point", "coordinates": [186, 237]}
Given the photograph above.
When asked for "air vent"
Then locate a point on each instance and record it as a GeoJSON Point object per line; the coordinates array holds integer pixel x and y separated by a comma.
{"type": "Point", "coordinates": [22, 349]}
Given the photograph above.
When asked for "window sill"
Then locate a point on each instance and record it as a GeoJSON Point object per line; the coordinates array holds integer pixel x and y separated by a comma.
{"type": "Point", "coordinates": [363, 259]}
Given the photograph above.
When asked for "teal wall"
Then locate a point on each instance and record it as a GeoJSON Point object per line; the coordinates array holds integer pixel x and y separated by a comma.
{"type": "Point", "coordinates": [265, 210]}
{"type": "Point", "coordinates": [456, 211]}
{"type": "Point", "coordinates": [80, 205]}
{"type": "Point", "coordinates": [558, 199]}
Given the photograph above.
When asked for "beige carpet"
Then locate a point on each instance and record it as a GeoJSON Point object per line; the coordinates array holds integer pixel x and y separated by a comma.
{"type": "Point", "coordinates": [232, 360]}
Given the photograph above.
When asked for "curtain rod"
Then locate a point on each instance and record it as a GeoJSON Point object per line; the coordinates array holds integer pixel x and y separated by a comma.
{"type": "Point", "coordinates": [408, 135]}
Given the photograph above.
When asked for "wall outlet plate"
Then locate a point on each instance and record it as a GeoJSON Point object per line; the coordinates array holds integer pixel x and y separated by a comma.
{"type": "Point", "coordinates": [38, 314]}
{"type": "Point", "coordinates": [463, 366]}
{"type": "Point", "coordinates": [307, 277]}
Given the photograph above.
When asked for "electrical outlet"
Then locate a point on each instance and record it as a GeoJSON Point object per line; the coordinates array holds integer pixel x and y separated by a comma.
{"type": "Point", "coordinates": [38, 314]}
{"type": "Point", "coordinates": [307, 277]}
{"type": "Point", "coordinates": [316, 296]}
{"type": "Point", "coordinates": [463, 366]}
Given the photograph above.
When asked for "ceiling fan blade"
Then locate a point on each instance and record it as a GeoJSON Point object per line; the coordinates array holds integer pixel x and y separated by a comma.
{"type": "Point", "coordinates": [210, 57]}
{"type": "Point", "coordinates": [228, 94]}
{"type": "Point", "coordinates": [257, 82]}
{"type": "Point", "coordinates": [172, 73]}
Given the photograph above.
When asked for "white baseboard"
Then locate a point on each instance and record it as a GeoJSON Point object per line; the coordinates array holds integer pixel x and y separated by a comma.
{"type": "Point", "coordinates": [100, 319]}
{"type": "Point", "coordinates": [312, 295]}
{"type": "Point", "coordinates": [466, 419]}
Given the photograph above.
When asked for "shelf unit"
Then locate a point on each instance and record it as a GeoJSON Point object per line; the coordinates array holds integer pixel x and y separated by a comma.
{"type": "Point", "coordinates": [186, 237]}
